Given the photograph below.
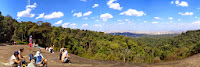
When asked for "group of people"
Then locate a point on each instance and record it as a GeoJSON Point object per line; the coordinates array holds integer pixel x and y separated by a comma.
{"type": "Point", "coordinates": [18, 60]}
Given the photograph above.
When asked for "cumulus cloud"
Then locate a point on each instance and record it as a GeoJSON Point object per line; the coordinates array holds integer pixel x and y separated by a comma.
{"type": "Point", "coordinates": [170, 18]}
{"type": "Point", "coordinates": [59, 22]}
{"type": "Point", "coordinates": [79, 14]}
{"type": "Point", "coordinates": [87, 13]}
{"type": "Point", "coordinates": [31, 6]}
{"type": "Point", "coordinates": [97, 25]}
{"type": "Point", "coordinates": [186, 13]}
{"type": "Point", "coordinates": [132, 12]}
{"type": "Point", "coordinates": [85, 18]}
{"type": "Point", "coordinates": [179, 19]}
{"type": "Point", "coordinates": [84, 25]}
{"type": "Point", "coordinates": [65, 25]}
{"type": "Point", "coordinates": [114, 5]}
{"type": "Point", "coordinates": [73, 24]}
{"type": "Point", "coordinates": [196, 22]}
{"type": "Point", "coordinates": [156, 17]}
{"type": "Point", "coordinates": [172, 2]}
{"type": "Point", "coordinates": [96, 20]}
{"type": "Point", "coordinates": [54, 15]}
{"type": "Point", "coordinates": [95, 5]}
{"type": "Point", "coordinates": [154, 22]}
{"type": "Point", "coordinates": [83, 0]}
{"type": "Point", "coordinates": [106, 16]}
{"type": "Point", "coordinates": [119, 20]}
{"type": "Point", "coordinates": [182, 3]}
{"type": "Point", "coordinates": [73, 11]}
{"type": "Point", "coordinates": [26, 13]}
{"type": "Point", "coordinates": [40, 16]}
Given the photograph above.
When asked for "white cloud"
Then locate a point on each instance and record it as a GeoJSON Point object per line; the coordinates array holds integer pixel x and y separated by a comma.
{"type": "Point", "coordinates": [145, 21]}
{"type": "Point", "coordinates": [95, 5]}
{"type": "Point", "coordinates": [73, 11]}
{"type": "Point", "coordinates": [186, 13]}
{"type": "Point", "coordinates": [54, 15]}
{"type": "Point", "coordinates": [65, 25]}
{"type": "Point", "coordinates": [31, 6]}
{"type": "Point", "coordinates": [28, 2]}
{"type": "Point", "coordinates": [114, 5]}
{"type": "Point", "coordinates": [119, 20]}
{"type": "Point", "coordinates": [132, 12]}
{"type": "Point", "coordinates": [84, 25]}
{"type": "Point", "coordinates": [156, 17]}
{"type": "Point", "coordinates": [179, 19]}
{"type": "Point", "coordinates": [73, 24]}
{"type": "Point", "coordinates": [182, 3]}
{"type": "Point", "coordinates": [127, 20]}
{"type": "Point", "coordinates": [106, 16]}
{"type": "Point", "coordinates": [40, 16]}
{"type": "Point", "coordinates": [121, 23]}
{"type": "Point", "coordinates": [85, 18]}
{"type": "Point", "coordinates": [154, 22]}
{"type": "Point", "coordinates": [79, 14]}
{"type": "Point", "coordinates": [83, 0]}
{"type": "Point", "coordinates": [97, 25]}
{"type": "Point", "coordinates": [170, 18]}
{"type": "Point", "coordinates": [87, 13]}
{"type": "Point", "coordinates": [197, 8]}
{"type": "Point", "coordinates": [176, 2]}
{"type": "Point", "coordinates": [196, 22]}
{"type": "Point", "coordinates": [96, 20]}
{"type": "Point", "coordinates": [172, 2]}
{"type": "Point", "coordinates": [26, 13]}
{"type": "Point", "coordinates": [59, 22]}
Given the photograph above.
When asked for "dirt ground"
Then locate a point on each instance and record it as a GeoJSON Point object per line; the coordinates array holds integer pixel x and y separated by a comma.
{"type": "Point", "coordinates": [7, 50]}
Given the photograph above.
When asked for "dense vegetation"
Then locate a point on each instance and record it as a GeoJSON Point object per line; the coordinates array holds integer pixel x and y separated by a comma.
{"type": "Point", "coordinates": [98, 45]}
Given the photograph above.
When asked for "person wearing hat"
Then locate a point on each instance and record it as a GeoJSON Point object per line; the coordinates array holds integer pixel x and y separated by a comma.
{"type": "Point", "coordinates": [14, 60]}
{"type": "Point", "coordinates": [40, 61]}
{"type": "Point", "coordinates": [65, 57]}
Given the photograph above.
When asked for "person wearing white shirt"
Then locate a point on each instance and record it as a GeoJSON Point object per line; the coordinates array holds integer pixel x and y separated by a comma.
{"type": "Point", "coordinates": [14, 61]}
{"type": "Point", "coordinates": [65, 57]}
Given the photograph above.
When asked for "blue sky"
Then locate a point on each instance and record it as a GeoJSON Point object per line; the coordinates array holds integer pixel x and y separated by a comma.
{"type": "Point", "coordinates": [108, 15]}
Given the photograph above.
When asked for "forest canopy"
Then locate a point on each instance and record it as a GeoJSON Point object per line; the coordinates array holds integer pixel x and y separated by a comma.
{"type": "Point", "coordinates": [99, 45]}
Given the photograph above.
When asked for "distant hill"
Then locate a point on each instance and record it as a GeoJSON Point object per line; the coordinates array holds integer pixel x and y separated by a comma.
{"type": "Point", "coordinates": [129, 34]}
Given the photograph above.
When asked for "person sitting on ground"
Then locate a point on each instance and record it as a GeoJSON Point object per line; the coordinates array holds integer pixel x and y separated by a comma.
{"type": "Point", "coordinates": [51, 49]}
{"type": "Point", "coordinates": [40, 61]}
{"type": "Point", "coordinates": [14, 60]}
{"type": "Point", "coordinates": [47, 48]}
{"type": "Point", "coordinates": [21, 50]}
{"type": "Point", "coordinates": [32, 63]}
{"type": "Point", "coordinates": [61, 51]}
{"type": "Point", "coordinates": [65, 57]}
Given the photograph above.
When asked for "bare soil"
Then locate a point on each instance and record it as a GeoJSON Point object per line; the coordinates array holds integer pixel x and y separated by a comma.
{"type": "Point", "coordinates": [7, 50]}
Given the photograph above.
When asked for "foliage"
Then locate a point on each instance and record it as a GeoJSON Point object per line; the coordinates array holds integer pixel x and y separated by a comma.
{"type": "Point", "coordinates": [98, 45]}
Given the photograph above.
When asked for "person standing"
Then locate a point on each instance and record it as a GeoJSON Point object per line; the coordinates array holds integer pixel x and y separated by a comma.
{"type": "Point", "coordinates": [30, 43]}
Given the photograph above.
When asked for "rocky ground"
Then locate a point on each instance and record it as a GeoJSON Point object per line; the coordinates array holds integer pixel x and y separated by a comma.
{"type": "Point", "coordinates": [7, 50]}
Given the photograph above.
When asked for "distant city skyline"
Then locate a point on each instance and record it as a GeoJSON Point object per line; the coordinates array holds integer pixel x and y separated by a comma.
{"type": "Point", "coordinates": [108, 15]}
